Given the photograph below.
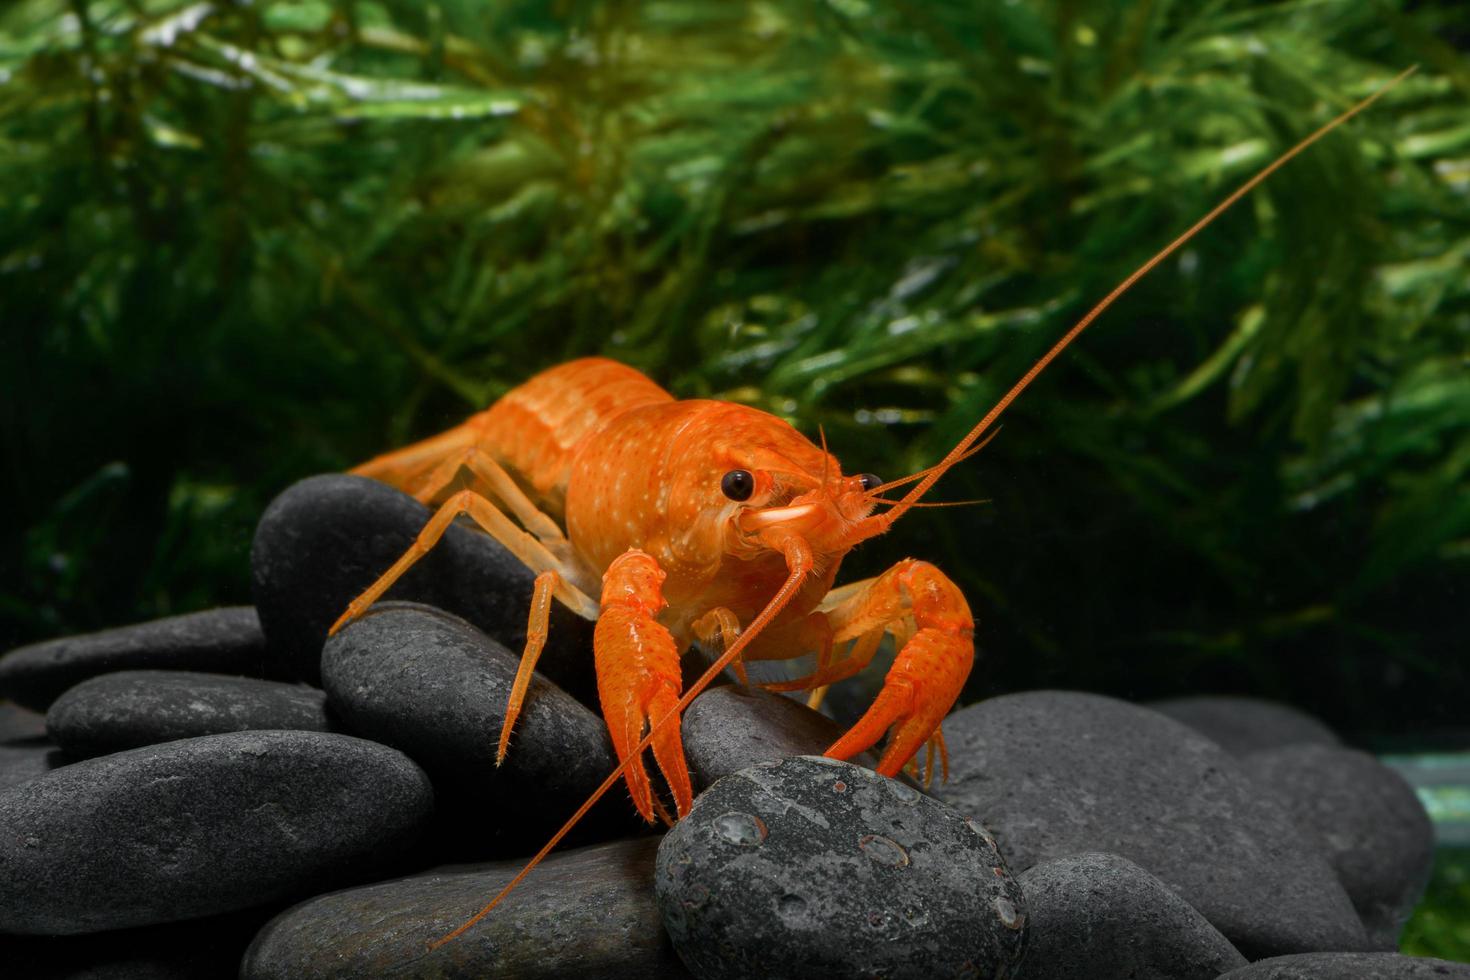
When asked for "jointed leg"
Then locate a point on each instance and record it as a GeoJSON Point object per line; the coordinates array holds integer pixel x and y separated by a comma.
{"type": "Point", "coordinates": [536, 631]}
{"type": "Point", "coordinates": [530, 551]}
{"type": "Point", "coordinates": [719, 627]}
{"type": "Point", "coordinates": [502, 484]}
{"type": "Point", "coordinates": [402, 467]}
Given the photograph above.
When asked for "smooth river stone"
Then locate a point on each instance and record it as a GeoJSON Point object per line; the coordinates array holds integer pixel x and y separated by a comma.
{"type": "Point", "coordinates": [584, 913]}
{"type": "Point", "coordinates": [1240, 725]}
{"type": "Point", "coordinates": [1372, 826]}
{"type": "Point", "coordinates": [1102, 917]}
{"type": "Point", "coordinates": [20, 762]}
{"type": "Point", "coordinates": [1350, 966]}
{"type": "Point", "coordinates": [1055, 773]}
{"type": "Point", "coordinates": [144, 707]}
{"type": "Point", "coordinates": [430, 684]}
{"type": "Point", "coordinates": [218, 641]}
{"type": "Point", "coordinates": [733, 727]}
{"type": "Point", "coordinates": [327, 538]}
{"type": "Point", "coordinates": [200, 826]}
{"type": "Point", "coordinates": [811, 868]}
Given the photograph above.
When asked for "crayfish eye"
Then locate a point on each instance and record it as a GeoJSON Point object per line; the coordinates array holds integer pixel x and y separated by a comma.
{"type": "Point", "coordinates": [738, 484]}
{"type": "Point", "coordinates": [870, 482]}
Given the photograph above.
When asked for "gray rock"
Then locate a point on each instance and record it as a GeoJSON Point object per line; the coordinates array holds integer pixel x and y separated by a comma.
{"type": "Point", "coordinates": [130, 708]}
{"type": "Point", "coordinates": [1102, 917]}
{"type": "Point", "coordinates": [585, 913]}
{"type": "Point", "coordinates": [733, 727]}
{"type": "Point", "coordinates": [218, 641]}
{"type": "Point", "coordinates": [25, 751]}
{"type": "Point", "coordinates": [1054, 774]}
{"type": "Point", "coordinates": [327, 538]}
{"type": "Point", "coordinates": [1240, 725]}
{"type": "Point", "coordinates": [201, 826]}
{"type": "Point", "coordinates": [1349, 966]}
{"type": "Point", "coordinates": [19, 724]}
{"type": "Point", "coordinates": [815, 868]}
{"type": "Point", "coordinates": [428, 683]}
{"type": "Point", "coordinates": [1372, 827]}
{"type": "Point", "coordinates": [21, 762]}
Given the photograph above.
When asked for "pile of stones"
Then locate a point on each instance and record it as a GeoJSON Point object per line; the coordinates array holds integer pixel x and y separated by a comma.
{"type": "Point", "coordinates": [231, 793]}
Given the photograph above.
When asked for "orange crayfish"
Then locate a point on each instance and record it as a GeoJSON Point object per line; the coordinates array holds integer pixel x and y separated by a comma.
{"type": "Point", "coordinates": [669, 521]}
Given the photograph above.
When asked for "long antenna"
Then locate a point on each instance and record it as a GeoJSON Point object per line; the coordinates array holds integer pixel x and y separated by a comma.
{"type": "Point", "coordinates": [930, 477]}
{"type": "Point", "coordinates": [985, 423]}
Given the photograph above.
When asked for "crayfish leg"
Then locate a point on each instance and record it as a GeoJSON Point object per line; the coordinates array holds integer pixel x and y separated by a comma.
{"type": "Point", "coordinates": [483, 467]}
{"type": "Point", "coordinates": [517, 541]}
{"type": "Point", "coordinates": [537, 627]}
{"type": "Point", "coordinates": [717, 629]}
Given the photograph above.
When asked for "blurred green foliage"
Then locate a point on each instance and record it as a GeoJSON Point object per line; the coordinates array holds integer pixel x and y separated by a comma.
{"type": "Point", "coordinates": [244, 242]}
{"type": "Point", "coordinates": [1441, 924]}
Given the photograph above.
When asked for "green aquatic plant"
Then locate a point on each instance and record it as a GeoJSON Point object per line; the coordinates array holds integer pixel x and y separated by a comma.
{"type": "Point", "coordinates": [241, 243]}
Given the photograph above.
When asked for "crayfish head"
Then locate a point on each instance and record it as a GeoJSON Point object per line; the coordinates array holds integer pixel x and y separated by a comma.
{"type": "Point", "coordinates": [748, 483]}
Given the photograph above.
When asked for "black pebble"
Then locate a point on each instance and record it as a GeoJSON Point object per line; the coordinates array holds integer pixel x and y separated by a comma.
{"type": "Point", "coordinates": [435, 687]}
{"type": "Point", "coordinates": [587, 913]}
{"type": "Point", "coordinates": [21, 762]}
{"type": "Point", "coordinates": [1102, 917]}
{"type": "Point", "coordinates": [1056, 773]}
{"type": "Point", "coordinates": [815, 868]}
{"type": "Point", "coordinates": [219, 641]}
{"type": "Point", "coordinates": [130, 708]}
{"type": "Point", "coordinates": [1370, 823]}
{"type": "Point", "coordinates": [733, 727]}
{"type": "Point", "coordinates": [201, 826]}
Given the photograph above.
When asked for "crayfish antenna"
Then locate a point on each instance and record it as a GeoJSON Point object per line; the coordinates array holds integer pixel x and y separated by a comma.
{"type": "Point", "coordinates": [959, 451]}
{"type": "Point", "coordinates": [800, 560]}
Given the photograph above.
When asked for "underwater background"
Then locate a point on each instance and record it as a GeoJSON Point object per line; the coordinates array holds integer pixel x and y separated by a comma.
{"type": "Point", "coordinates": [245, 243]}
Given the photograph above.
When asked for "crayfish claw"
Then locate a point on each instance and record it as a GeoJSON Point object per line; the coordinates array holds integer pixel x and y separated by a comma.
{"type": "Point", "coordinates": [926, 677]}
{"type": "Point", "coordinates": [638, 680]}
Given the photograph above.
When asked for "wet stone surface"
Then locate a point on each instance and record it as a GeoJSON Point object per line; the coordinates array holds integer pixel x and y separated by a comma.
{"type": "Point", "coordinates": [1102, 917]}
{"type": "Point", "coordinates": [1371, 824]}
{"type": "Point", "coordinates": [326, 538]}
{"type": "Point", "coordinates": [584, 913]}
{"type": "Point", "coordinates": [219, 641]}
{"type": "Point", "coordinates": [200, 826]}
{"type": "Point", "coordinates": [1054, 774]}
{"type": "Point", "coordinates": [1350, 966]}
{"type": "Point", "coordinates": [733, 727]}
{"type": "Point", "coordinates": [1241, 725]}
{"type": "Point", "coordinates": [815, 868]}
{"type": "Point", "coordinates": [20, 762]}
{"type": "Point", "coordinates": [435, 687]}
{"type": "Point", "coordinates": [143, 707]}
